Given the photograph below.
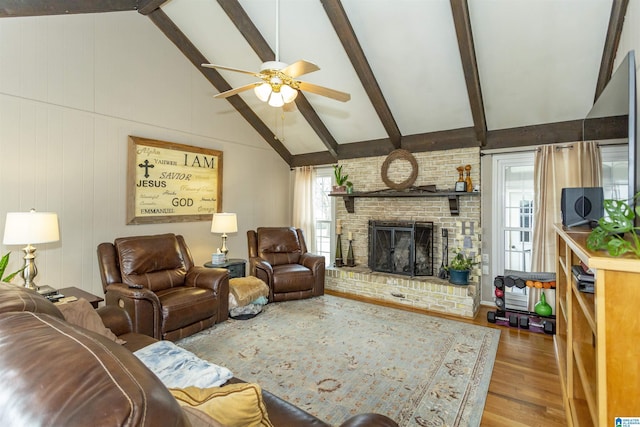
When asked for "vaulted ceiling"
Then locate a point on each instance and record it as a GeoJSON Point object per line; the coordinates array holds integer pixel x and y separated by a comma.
{"type": "Point", "coordinates": [423, 74]}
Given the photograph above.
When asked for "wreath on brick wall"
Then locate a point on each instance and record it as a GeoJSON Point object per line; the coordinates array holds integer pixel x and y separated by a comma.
{"type": "Point", "coordinates": [399, 154]}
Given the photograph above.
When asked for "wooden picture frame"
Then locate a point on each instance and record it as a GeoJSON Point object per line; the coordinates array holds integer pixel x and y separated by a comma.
{"type": "Point", "coordinates": [170, 182]}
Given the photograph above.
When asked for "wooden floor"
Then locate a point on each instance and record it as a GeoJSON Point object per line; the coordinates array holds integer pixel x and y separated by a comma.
{"type": "Point", "coordinates": [525, 386]}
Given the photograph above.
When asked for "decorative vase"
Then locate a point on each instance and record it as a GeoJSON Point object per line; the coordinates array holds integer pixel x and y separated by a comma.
{"type": "Point", "coordinates": [541, 307]}
{"type": "Point", "coordinates": [458, 277]}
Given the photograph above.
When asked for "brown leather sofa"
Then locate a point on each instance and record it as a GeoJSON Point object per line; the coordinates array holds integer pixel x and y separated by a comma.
{"type": "Point", "coordinates": [279, 256]}
{"type": "Point", "coordinates": [154, 279]}
{"type": "Point", "coordinates": [55, 373]}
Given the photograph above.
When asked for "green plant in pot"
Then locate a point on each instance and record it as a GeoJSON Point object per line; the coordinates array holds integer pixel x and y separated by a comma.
{"type": "Point", "coordinates": [612, 229]}
{"type": "Point", "coordinates": [460, 267]}
{"type": "Point", "coordinates": [4, 261]}
{"type": "Point", "coordinates": [341, 179]}
{"type": "Point", "coordinates": [349, 186]}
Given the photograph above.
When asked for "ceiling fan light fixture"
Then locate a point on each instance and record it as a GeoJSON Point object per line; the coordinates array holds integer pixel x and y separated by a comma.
{"type": "Point", "coordinates": [263, 91]}
{"type": "Point", "coordinates": [288, 93]}
{"type": "Point", "coordinates": [276, 100]}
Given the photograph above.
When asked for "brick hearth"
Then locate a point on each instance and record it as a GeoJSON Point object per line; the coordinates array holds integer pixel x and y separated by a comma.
{"type": "Point", "coordinates": [426, 292]}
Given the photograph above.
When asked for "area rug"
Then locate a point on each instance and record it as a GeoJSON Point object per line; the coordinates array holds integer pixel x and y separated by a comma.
{"type": "Point", "coordinates": [335, 358]}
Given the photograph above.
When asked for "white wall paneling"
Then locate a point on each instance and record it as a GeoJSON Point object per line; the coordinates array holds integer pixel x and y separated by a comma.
{"type": "Point", "coordinates": [72, 88]}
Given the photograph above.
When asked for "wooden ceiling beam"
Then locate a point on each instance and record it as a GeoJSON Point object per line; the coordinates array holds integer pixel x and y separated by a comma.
{"type": "Point", "coordinates": [16, 8]}
{"type": "Point", "coordinates": [431, 141]}
{"type": "Point", "coordinates": [145, 7]}
{"type": "Point", "coordinates": [173, 33]}
{"type": "Point", "coordinates": [550, 133]}
{"type": "Point", "coordinates": [462, 22]}
{"type": "Point", "coordinates": [347, 36]}
{"type": "Point", "coordinates": [525, 136]}
{"type": "Point", "coordinates": [257, 42]}
{"type": "Point", "coordinates": [611, 42]}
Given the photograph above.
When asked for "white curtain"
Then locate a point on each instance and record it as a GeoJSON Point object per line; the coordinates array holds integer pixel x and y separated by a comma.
{"type": "Point", "coordinates": [303, 217]}
{"type": "Point", "coordinates": [556, 167]}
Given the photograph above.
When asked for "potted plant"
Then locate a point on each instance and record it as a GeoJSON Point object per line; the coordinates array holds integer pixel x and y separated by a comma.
{"type": "Point", "coordinates": [610, 232]}
{"type": "Point", "coordinates": [341, 180]}
{"type": "Point", "coordinates": [3, 266]}
{"type": "Point", "coordinates": [459, 267]}
{"type": "Point", "coordinates": [349, 185]}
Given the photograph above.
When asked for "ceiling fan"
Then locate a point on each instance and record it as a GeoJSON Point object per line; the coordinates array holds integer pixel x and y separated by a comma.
{"type": "Point", "coordinates": [278, 84]}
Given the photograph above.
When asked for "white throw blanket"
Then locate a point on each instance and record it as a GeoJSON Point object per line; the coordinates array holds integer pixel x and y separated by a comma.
{"type": "Point", "coordinates": [179, 368]}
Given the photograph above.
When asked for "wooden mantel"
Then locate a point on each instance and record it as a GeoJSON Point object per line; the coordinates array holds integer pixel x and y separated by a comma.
{"type": "Point", "coordinates": [453, 196]}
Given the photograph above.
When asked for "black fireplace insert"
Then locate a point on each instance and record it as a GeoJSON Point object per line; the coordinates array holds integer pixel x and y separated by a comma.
{"type": "Point", "coordinates": [401, 247]}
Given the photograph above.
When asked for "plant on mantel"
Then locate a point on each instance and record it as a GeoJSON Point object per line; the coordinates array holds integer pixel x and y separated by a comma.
{"type": "Point", "coordinates": [612, 228]}
{"type": "Point", "coordinates": [341, 180]}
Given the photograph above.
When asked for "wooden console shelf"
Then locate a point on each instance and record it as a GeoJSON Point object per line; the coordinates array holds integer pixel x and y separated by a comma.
{"type": "Point", "coordinates": [596, 334]}
{"type": "Point", "coordinates": [453, 196]}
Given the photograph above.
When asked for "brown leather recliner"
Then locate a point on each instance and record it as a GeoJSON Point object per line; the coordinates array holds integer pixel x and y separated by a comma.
{"type": "Point", "coordinates": [278, 256]}
{"type": "Point", "coordinates": [153, 278]}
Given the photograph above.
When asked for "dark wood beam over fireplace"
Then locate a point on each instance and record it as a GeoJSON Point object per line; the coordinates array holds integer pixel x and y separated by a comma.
{"type": "Point", "coordinates": [462, 22]}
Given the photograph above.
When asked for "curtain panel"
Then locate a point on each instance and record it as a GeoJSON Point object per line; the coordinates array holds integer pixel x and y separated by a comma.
{"type": "Point", "coordinates": [556, 167]}
{"type": "Point", "coordinates": [303, 217]}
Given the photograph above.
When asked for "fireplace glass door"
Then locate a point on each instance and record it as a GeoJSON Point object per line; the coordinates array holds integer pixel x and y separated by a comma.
{"type": "Point", "coordinates": [401, 247]}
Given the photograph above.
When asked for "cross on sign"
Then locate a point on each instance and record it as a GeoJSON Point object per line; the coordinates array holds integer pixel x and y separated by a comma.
{"type": "Point", "coordinates": [146, 167]}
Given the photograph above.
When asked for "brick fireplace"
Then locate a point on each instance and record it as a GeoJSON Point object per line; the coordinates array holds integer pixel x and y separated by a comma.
{"type": "Point", "coordinates": [428, 292]}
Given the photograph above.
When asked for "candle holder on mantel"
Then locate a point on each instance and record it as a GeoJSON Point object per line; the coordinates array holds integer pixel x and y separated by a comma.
{"type": "Point", "coordinates": [351, 262]}
{"type": "Point", "coordinates": [339, 262]}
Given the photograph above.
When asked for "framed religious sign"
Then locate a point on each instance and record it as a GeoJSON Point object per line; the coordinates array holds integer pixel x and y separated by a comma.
{"type": "Point", "coordinates": [169, 182]}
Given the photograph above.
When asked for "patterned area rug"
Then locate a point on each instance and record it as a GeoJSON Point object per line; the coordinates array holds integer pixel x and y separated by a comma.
{"type": "Point", "coordinates": [336, 357]}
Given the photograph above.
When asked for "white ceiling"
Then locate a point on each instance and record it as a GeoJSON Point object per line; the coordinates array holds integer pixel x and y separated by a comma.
{"type": "Point", "coordinates": [537, 62]}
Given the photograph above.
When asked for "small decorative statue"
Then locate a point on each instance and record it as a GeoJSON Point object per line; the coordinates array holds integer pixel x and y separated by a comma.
{"type": "Point", "coordinates": [468, 180]}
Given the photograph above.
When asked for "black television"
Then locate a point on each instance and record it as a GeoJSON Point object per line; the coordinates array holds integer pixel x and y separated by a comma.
{"type": "Point", "coordinates": [614, 116]}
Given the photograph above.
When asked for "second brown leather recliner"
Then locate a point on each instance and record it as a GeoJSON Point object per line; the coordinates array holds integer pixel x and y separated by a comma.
{"type": "Point", "coordinates": [279, 257]}
{"type": "Point", "coordinates": [153, 278]}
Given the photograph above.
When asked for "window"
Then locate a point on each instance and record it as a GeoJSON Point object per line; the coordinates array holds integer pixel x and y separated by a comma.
{"type": "Point", "coordinates": [513, 221]}
{"type": "Point", "coordinates": [323, 212]}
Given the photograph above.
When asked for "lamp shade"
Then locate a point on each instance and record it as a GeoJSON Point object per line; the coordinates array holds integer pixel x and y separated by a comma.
{"type": "Point", "coordinates": [224, 223]}
{"type": "Point", "coordinates": [263, 91]}
{"type": "Point", "coordinates": [23, 228]}
{"type": "Point", "coordinates": [275, 100]}
{"type": "Point", "coordinates": [288, 93]}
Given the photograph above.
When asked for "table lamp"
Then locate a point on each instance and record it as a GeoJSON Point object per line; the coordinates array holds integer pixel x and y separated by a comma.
{"type": "Point", "coordinates": [224, 223]}
{"type": "Point", "coordinates": [27, 228]}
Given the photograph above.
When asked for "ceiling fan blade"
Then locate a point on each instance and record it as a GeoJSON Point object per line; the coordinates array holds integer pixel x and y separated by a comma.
{"type": "Point", "coordinates": [324, 91]}
{"type": "Point", "coordinates": [299, 68]}
{"type": "Point", "coordinates": [236, 91]}
{"type": "Point", "coordinates": [237, 70]}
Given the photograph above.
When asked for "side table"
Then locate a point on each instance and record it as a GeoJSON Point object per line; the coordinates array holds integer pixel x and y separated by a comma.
{"type": "Point", "coordinates": [236, 267]}
{"type": "Point", "coordinates": [79, 293]}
